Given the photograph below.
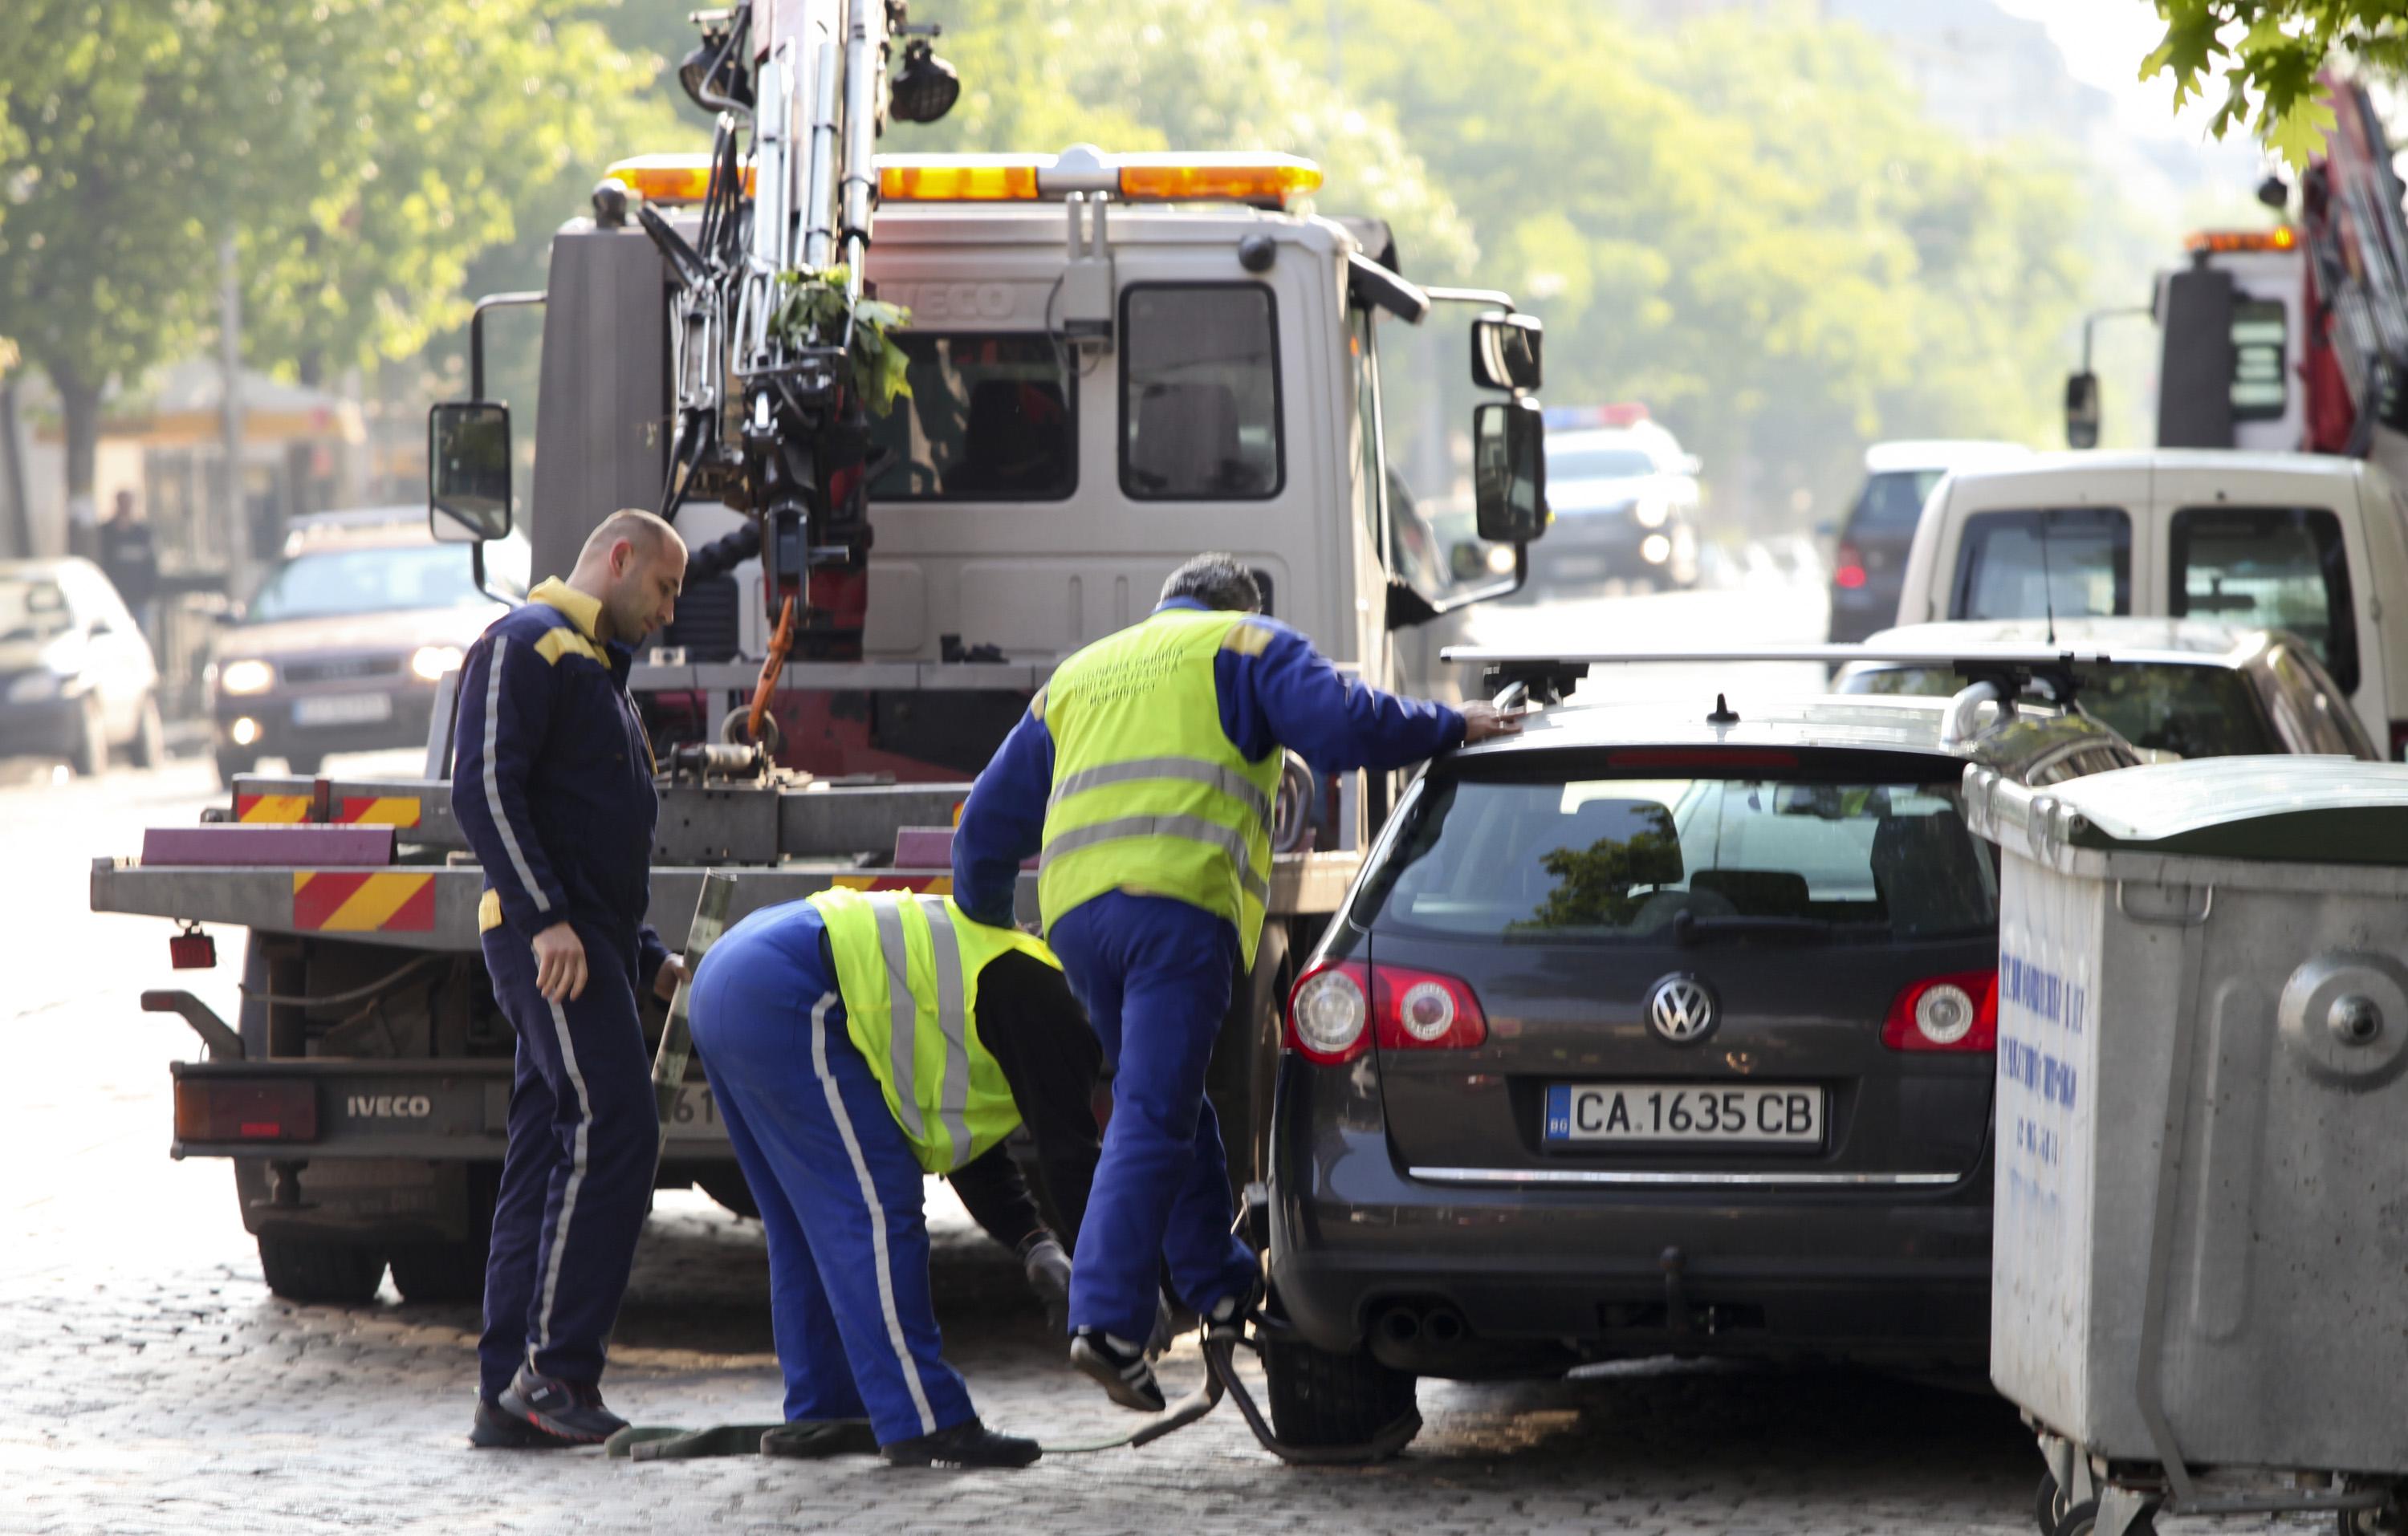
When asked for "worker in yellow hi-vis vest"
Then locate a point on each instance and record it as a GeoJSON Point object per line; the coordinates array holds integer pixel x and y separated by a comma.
{"type": "Point", "coordinates": [1143, 777]}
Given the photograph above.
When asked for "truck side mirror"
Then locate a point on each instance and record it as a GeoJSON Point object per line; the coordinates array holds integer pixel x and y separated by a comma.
{"type": "Point", "coordinates": [1509, 471]}
{"type": "Point", "coordinates": [2082, 410]}
{"type": "Point", "coordinates": [468, 471]}
{"type": "Point", "coordinates": [1506, 352]}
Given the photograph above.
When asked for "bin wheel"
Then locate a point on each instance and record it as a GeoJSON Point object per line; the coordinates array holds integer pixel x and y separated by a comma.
{"type": "Point", "coordinates": [2048, 1505]}
{"type": "Point", "coordinates": [2384, 1521]}
{"type": "Point", "coordinates": [2083, 1519]}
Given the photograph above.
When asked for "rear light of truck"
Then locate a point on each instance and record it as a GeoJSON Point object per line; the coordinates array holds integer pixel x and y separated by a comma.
{"type": "Point", "coordinates": [278, 1110]}
{"type": "Point", "coordinates": [1337, 1010]}
{"type": "Point", "coordinates": [1956, 1012]}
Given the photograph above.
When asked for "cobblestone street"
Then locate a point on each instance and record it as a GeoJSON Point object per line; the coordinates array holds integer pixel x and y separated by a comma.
{"type": "Point", "coordinates": [153, 1384]}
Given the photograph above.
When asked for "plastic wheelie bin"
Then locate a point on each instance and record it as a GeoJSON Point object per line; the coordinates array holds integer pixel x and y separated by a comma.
{"type": "Point", "coordinates": [2199, 1278]}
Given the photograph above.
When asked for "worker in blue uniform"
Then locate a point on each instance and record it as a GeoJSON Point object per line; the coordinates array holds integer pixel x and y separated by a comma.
{"type": "Point", "coordinates": [856, 1042]}
{"type": "Point", "coordinates": [1143, 777]}
{"type": "Point", "coordinates": [553, 788]}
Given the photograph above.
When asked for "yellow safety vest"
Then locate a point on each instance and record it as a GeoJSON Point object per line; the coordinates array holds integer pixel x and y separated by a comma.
{"type": "Point", "coordinates": [907, 966]}
{"type": "Point", "coordinates": [1149, 793]}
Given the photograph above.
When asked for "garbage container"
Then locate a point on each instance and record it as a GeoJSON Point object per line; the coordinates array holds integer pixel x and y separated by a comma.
{"type": "Point", "coordinates": [2201, 1215]}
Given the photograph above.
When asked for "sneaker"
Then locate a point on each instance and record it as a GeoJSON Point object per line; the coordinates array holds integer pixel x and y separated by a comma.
{"type": "Point", "coordinates": [1227, 1319]}
{"type": "Point", "coordinates": [968, 1443]}
{"type": "Point", "coordinates": [494, 1431]}
{"type": "Point", "coordinates": [1048, 1269]}
{"type": "Point", "coordinates": [570, 1411]}
{"type": "Point", "coordinates": [1119, 1367]}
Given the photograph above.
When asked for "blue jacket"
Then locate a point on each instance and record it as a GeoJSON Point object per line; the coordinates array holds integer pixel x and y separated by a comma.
{"type": "Point", "coordinates": [1286, 694]}
{"type": "Point", "coordinates": [551, 781]}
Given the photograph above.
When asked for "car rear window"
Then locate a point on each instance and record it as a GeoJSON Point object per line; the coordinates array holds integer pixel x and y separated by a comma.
{"type": "Point", "coordinates": [1571, 464]}
{"type": "Point", "coordinates": [1539, 858]}
{"type": "Point", "coordinates": [990, 418]}
{"type": "Point", "coordinates": [2282, 567]}
{"type": "Point", "coordinates": [1892, 501]}
{"type": "Point", "coordinates": [2195, 712]}
{"type": "Point", "coordinates": [2073, 562]}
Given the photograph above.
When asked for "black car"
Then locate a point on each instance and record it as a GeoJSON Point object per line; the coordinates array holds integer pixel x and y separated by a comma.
{"type": "Point", "coordinates": [1869, 567]}
{"type": "Point", "coordinates": [1650, 1032]}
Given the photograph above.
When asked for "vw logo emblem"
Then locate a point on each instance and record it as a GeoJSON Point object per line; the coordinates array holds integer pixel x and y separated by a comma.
{"type": "Point", "coordinates": [1683, 1009]}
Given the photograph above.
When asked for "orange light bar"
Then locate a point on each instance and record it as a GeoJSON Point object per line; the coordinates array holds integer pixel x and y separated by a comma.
{"type": "Point", "coordinates": [957, 177]}
{"type": "Point", "coordinates": [669, 178]}
{"type": "Point", "coordinates": [1272, 179]}
{"type": "Point", "coordinates": [2280, 238]}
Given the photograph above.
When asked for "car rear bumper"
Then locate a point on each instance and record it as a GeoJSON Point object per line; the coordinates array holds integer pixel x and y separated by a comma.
{"type": "Point", "coordinates": [413, 708]}
{"type": "Point", "coordinates": [1863, 1271]}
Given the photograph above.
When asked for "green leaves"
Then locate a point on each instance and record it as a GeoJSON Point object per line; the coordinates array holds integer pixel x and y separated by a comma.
{"type": "Point", "coordinates": [2268, 54]}
{"type": "Point", "coordinates": [812, 310]}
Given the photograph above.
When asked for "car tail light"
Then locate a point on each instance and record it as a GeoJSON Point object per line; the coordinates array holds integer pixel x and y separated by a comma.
{"type": "Point", "coordinates": [1958, 1013]}
{"type": "Point", "coordinates": [278, 1110]}
{"type": "Point", "coordinates": [1848, 569]}
{"type": "Point", "coordinates": [2398, 741]}
{"type": "Point", "coordinates": [1328, 1012]}
{"type": "Point", "coordinates": [1424, 1010]}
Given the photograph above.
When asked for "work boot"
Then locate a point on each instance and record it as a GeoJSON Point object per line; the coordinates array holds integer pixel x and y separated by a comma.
{"type": "Point", "coordinates": [494, 1431]}
{"type": "Point", "coordinates": [968, 1443]}
{"type": "Point", "coordinates": [570, 1411]}
{"type": "Point", "coordinates": [1048, 1269]}
{"type": "Point", "coordinates": [1227, 1319]}
{"type": "Point", "coordinates": [1120, 1368]}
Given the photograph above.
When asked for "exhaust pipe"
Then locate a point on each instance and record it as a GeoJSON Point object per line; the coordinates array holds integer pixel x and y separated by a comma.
{"type": "Point", "coordinates": [1444, 1327]}
{"type": "Point", "coordinates": [1400, 1325]}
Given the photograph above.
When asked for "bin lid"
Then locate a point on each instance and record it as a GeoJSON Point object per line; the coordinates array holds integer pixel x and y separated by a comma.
{"type": "Point", "coordinates": [2291, 810]}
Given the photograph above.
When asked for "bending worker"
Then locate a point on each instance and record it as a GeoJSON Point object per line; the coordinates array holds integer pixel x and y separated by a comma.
{"type": "Point", "coordinates": [553, 788]}
{"type": "Point", "coordinates": [856, 1042]}
{"type": "Point", "coordinates": [1143, 776]}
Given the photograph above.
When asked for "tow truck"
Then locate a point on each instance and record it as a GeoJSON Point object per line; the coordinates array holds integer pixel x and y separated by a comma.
{"type": "Point", "coordinates": [1114, 361]}
{"type": "Point", "coordinates": [2292, 338]}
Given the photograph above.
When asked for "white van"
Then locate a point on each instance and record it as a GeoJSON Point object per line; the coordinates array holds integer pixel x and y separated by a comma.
{"type": "Point", "coordinates": [2311, 544]}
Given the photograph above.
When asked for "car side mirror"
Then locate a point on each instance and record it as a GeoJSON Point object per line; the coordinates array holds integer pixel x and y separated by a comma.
{"type": "Point", "coordinates": [468, 471]}
{"type": "Point", "coordinates": [1509, 471]}
{"type": "Point", "coordinates": [1506, 352]}
{"type": "Point", "coordinates": [2082, 410]}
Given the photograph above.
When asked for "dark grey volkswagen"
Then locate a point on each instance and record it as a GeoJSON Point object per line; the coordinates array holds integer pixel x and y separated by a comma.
{"type": "Point", "coordinates": [1650, 1032]}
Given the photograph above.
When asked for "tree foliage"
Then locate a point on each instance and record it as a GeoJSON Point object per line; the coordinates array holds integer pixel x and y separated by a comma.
{"type": "Point", "coordinates": [2266, 55]}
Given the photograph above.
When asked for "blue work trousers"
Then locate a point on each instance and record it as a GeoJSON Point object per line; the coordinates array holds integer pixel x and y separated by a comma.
{"type": "Point", "coordinates": [838, 1189]}
{"type": "Point", "coordinates": [1153, 974]}
{"type": "Point", "coordinates": [576, 1173]}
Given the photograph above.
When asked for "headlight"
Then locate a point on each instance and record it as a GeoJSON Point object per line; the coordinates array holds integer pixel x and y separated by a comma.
{"type": "Point", "coordinates": [1654, 549]}
{"type": "Point", "coordinates": [34, 687]}
{"type": "Point", "coordinates": [430, 661]}
{"type": "Point", "coordinates": [1501, 559]}
{"type": "Point", "coordinates": [1652, 511]}
{"type": "Point", "coordinates": [246, 676]}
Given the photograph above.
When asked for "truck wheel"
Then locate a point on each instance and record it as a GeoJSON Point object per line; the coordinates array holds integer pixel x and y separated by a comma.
{"type": "Point", "coordinates": [314, 1269]}
{"type": "Point", "coordinates": [1319, 1399]}
{"type": "Point", "coordinates": [727, 1186]}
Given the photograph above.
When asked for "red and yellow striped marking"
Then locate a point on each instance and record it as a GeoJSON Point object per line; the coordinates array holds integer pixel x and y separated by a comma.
{"type": "Point", "coordinates": [931, 884]}
{"type": "Point", "coordinates": [353, 809]}
{"type": "Point", "coordinates": [362, 902]}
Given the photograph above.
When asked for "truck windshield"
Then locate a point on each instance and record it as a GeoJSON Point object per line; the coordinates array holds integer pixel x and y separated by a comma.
{"type": "Point", "coordinates": [990, 418]}
{"type": "Point", "coordinates": [366, 581]}
{"type": "Point", "coordinates": [2072, 562]}
{"type": "Point", "coordinates": [1626, 858]}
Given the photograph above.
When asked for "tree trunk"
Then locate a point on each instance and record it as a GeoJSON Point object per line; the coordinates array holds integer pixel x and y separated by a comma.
{"type": "Point", "coordinates": [19, 542]}
{"type": "Point", "coordinates": [80, 403]}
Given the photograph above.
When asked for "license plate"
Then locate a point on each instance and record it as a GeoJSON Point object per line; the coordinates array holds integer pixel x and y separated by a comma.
{"type": "Point", "coordinates": [694, 1116]}
{"type": "Point", "coordinates": [343, 709]}
{"type": "Point", "coordinates": [1687, 1113]}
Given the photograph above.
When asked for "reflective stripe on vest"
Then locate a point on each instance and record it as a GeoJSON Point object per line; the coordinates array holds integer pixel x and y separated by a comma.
{"type": "Point", "coordinates": [944, 1088]}
{"type": "Point", "coordinates": [1150, 793]}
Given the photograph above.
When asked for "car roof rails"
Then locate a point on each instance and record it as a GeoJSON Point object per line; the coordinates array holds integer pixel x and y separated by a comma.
{"type": "Point", "coordinates": [1992, 672]}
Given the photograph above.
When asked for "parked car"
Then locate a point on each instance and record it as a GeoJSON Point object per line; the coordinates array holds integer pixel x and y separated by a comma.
{"type": "Point", "coordinates": [1870, 563]}
{"type": "Point", "coordinates": [76, 677]}
{"type": "Point", "coordinates": [1647, 1032]}
{"type": "Point", "coordinates": [1625, 499]}
{"type": "Point", "coordinates": [2311, 544]}
{"type": "Point", "coordinates": [343, 645]}
{"type": "Point", "coordinates": [2180, 686]}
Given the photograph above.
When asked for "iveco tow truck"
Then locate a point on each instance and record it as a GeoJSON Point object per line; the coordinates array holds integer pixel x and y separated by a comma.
{"type": "Point", "coordinates": [1112, 361]}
